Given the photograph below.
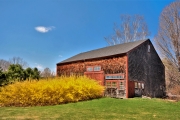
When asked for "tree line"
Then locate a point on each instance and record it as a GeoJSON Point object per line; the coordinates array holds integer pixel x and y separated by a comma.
{"type": "Point", "coordinates": [16, 69]}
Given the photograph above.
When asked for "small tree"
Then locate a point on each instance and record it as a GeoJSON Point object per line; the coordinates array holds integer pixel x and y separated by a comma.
{"type": "Point", "coordinates": [36, 74]}
{"type": "Point", "coordinates": [4, 64]}
{"type": "Point", "coordinates": [2, 77]}
{"type": "Point", "coordinates": [46, 73]}
{"type": "Point", "coordinates": [16, 72]}
{"type": "Point", "coordinates": [29, 73]}
{"type": "Point", "coordinates": [132, 28]}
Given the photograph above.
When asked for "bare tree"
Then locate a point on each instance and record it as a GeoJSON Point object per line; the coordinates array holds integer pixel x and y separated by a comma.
{"type": "Point", "coordinates": [4, 64]}
{"type": "Point", "coordinates": [132, 28]}
{"type": "Point", "coordinates": [171, 74]}
{"type": "Point", "coordinates": [18, 60]}
{"type": "Point", "coordinates": [46, 73]}
{"type": "Point", "coordinates": [168, 40]}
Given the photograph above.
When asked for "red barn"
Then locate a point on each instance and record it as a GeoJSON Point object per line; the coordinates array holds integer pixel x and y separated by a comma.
{"type": "Point", "coordinates": [126, 70]}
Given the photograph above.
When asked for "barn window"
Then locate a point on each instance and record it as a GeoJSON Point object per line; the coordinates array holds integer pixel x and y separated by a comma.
{"type": "Point", "coordinates": [113, 84]}
{"type": "Point", "coordinates": [108, 84]}
{"type": "Point", "coordinates": [139, 85]}
{"type": "Point", "coordinates": [121, 86]}
{"type": "Point", "coordinates": [108, 77]}
{"type": "Point", "coordinates": [136, 85]}
{"type": "Point", "coordinates": [89, 68]}
{"type": "Point", "coordinates": [142, 85]}
{"type": "Point", "coordinates": [114, 77]}
{"type": "Point", "coordinates": [121, 77]}
{"type": "Point", "coordinates": [149, 48]}
{"type": "Point", "coordinates": [97, 68]}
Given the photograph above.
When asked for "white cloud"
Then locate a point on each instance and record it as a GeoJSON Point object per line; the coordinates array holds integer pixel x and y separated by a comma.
{"type": "Point", "coordinates": [39, 66]}
{"type": "Point", "coordinates": [60, 56]}
{"type": "Point", "coordinates": [44, 29]}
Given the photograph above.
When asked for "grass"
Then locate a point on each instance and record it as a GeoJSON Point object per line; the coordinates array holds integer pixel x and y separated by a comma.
{"type": "Point", "coordinates": [98, 109]}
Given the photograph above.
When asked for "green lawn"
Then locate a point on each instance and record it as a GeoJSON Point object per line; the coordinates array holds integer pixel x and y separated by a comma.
{"type": "Point", "coordinates": [99, 109]}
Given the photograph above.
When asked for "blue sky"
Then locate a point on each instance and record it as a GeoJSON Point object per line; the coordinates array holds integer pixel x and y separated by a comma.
{"type": "Point", "coordinates": [45, 32]}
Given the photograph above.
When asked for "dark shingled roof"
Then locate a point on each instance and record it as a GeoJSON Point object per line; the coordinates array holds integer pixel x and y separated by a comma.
{"type": "Point", "coordinates": [106, 51]}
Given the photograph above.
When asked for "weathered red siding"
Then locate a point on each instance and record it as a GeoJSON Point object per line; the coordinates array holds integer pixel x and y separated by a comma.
{"type": "Point", "coordinates": [112, 65]}
{"type": "Point", "coordinates": [127, 78]}
{"type": "Point", "coordinates": [131, 87]}
{"type": "Point", "coordinates": [99, 76]}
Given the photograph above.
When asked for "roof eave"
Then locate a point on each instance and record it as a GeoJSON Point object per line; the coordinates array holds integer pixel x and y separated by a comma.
{"type": "Point", "coordinates": [121, 54]}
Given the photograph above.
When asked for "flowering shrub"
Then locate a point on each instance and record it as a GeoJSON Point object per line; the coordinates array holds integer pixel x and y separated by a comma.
{"type": "Point", "coordinates": [50, 92]}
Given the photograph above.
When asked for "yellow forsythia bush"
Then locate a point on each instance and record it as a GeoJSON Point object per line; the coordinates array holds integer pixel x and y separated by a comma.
{"type": "Point", "coordinates": [50, 92]}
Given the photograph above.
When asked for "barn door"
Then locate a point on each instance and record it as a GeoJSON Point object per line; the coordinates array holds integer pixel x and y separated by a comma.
{"type": "Point", "coordinates": [115, 85]}
{"type": "Point", "coordinates": [94, 72]}
{"type": "Point", "coordinates": [139, 89]}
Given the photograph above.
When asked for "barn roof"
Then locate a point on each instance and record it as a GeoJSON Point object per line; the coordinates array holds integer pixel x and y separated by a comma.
{"type": "Point", "coordinates": [105, 51]}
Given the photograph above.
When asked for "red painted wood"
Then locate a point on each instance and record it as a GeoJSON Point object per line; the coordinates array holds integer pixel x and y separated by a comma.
{"type": "Point", "coordinates": [131, 89]}
{"type": "Point", "coordinates": [108, 65]}
{"type": "Point", "coordinates": [99, 76]}
{"type": "Point", "coordinates": [127, 86]}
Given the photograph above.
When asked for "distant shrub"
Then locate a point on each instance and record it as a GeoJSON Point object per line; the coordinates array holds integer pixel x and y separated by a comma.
{"type": "Point", "coordinates": [175, 93]}
{"type": "Point", "coordinates": [50, 92]}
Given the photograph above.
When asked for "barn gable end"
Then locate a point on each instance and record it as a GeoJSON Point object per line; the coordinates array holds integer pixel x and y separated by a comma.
{"type": "Point", "coordinates": [145, 66]}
